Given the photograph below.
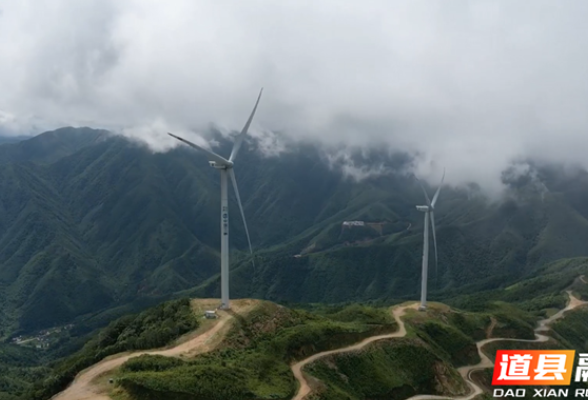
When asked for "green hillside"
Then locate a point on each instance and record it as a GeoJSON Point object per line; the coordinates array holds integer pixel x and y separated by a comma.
{"type": "Point", "coordinates": [94, 227]}
{"type": "Point", "coordinates": [152, 328]}
{"type": "Point", "coordinates": [568, 333]}
{"type": "Point", "coordinates": [253, 360]}
{"type": "Point", "coordinates": [90, 222]}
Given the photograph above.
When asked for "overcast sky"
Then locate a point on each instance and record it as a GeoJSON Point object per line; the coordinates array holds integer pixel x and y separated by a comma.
{"type": "Point", "coordinates": [470, 84]}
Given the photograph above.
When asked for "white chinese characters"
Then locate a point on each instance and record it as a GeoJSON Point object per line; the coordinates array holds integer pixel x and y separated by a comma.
{"type": "Point", "coordinates": [551, 367]}
{"type": "Point", "coordinates": [582, 369]}
{"type": "Point", "coordinates": [515, 367]}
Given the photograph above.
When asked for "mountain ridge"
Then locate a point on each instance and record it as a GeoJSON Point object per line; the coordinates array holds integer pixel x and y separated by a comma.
{"type": "Point", "coordinates": [97, 222]}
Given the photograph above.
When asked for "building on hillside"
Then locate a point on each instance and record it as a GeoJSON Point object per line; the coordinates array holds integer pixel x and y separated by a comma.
{"type": "Point", "coordinates": [353, 223]}
{"type": "Point", "coordinates": [210, 314]}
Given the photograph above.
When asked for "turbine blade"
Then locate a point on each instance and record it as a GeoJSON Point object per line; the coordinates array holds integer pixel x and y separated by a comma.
{"type": "Point", "coordinates": [438, 189]}
{"type": "Point", "coordinates": [211, 155]}
{"type": "Point", "coordinates": [424, 191]}
{"type": "Point", "coordinates": [432, 218]}
{"type": "Point", "coordinates": [239, 139]}
{"type": "Point", "coordinates": [234, 180]}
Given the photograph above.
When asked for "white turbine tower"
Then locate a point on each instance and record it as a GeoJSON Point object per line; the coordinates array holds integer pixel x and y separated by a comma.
{"type": "Point", "coordinates": [226, 168]}
{"type": "Point", "coordinates": [429, 211]}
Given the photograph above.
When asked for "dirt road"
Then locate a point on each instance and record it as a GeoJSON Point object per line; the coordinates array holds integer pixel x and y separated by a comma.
{"type": "Point", "coordinates": [84, 387]}
{"type": "Point", "coordinates": [487, 363]}
{"type": "Point", "coordinates": [465, 371]}
{"type": "Point", "coordinates": [304, 389]}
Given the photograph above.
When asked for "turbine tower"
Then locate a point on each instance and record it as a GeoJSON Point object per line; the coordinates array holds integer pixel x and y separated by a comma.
{"type": "Point", "coordinates": [429, 210]}
{"type": "Point", "coordinates": [226, 170]}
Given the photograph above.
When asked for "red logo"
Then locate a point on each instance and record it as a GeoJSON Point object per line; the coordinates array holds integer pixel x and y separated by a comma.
{"type": "Point", "coordinates": [533, 367]}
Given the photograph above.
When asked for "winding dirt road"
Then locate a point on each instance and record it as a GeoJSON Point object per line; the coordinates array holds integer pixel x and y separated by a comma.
{"type": "Point", "coordinates": [304, 389]}
{"type": "Point", "coordinates": [85, 388]}
{"type": "Point", "coordinates": [487, 363]}
{"type": "Point", "coordinates": [463, 371]}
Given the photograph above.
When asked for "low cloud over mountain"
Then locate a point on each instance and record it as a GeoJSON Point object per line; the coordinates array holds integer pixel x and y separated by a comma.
{"type": "Point", "coordinates": [470, 85]}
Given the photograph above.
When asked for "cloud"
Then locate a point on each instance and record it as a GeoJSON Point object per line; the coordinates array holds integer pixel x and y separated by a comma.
{"type": "Point", "coordinates": [154, 134]}
{"type": "Point", "coordinates": [469, 84]}
{"type": "Point", "coordinates": [344, 161]}
{"type": "Point", "coordinates": [270, 144]}
{"type": "Point", "coordinates": [24, 125]}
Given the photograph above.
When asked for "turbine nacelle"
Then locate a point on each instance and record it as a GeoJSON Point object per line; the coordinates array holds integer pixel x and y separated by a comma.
{"type": "Point", "coordinates": [422, 208]}
{"type": "Point", "coordinates": [218, 165]}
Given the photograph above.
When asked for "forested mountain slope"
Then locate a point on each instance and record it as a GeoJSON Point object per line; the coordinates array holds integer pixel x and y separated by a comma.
{"type": "Point", "coordinates": [91, 221]}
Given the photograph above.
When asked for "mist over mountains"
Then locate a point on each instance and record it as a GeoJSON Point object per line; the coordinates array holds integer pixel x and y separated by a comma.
{"type": "Point", "coordinates": [90, 221]}
{"type": "Point", "coordinates": [109, 228]}
{"type": "Point", "coordinates": [469, 86]}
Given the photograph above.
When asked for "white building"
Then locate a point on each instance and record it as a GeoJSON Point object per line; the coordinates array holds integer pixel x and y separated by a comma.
{"type": "Point", "coordinates": [353, 223]}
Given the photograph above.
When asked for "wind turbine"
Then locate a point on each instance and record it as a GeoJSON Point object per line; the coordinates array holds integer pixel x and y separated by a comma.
{"type": "Point", "coordinates": [226, 170]}
{"type": "Point", "coordinates": [429, 211]}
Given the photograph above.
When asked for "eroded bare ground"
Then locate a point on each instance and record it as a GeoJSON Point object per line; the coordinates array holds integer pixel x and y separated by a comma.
{"type": "Point", "coordinates": [85, 387]}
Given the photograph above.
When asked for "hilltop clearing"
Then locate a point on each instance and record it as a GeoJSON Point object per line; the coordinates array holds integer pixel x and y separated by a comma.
{"type": "Point", "coordinates": [85, 386]}
{"type": "Point", "coordinates": [262, 350]}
